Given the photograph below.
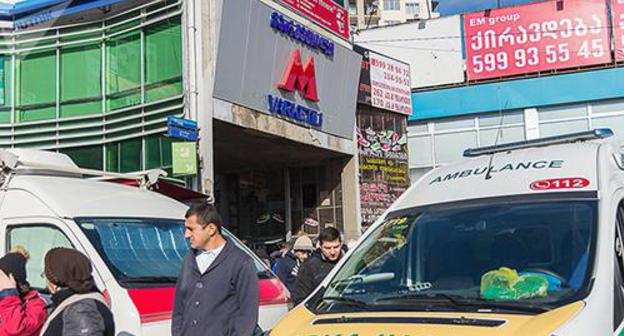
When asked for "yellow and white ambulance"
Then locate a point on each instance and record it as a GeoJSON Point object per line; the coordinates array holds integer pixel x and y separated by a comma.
{"type": "Point", "coordinates": [522, 239]}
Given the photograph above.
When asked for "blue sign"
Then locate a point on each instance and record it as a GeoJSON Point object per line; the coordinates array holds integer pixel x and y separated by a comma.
{"type": "Point", "coordinates": [302, 33]}
{"type": "Point", "coordinates": [181, 133]}
{"type": "Point", "coordinates": [181, 123]}
{"type": "Point", "coordinates": [297, 112]}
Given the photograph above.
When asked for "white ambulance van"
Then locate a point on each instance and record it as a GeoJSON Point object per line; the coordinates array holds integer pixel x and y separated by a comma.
{"type": "Point", "coordinates": [134, 236]}
{"type": "Point", "coordinates": [523, 239]}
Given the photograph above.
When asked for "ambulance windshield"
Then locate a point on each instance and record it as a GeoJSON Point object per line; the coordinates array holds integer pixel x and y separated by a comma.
{"type": "Point", "coordinates": [500, 255]}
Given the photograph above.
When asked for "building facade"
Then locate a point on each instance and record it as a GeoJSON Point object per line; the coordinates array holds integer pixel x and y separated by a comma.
{"type": "Point", "coordinates": [477, 81]}
{"type": "Point", "coordinates": [276, 146]}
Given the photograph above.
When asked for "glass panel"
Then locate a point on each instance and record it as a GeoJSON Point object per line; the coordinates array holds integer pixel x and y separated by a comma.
{"type": "Point", "coordinates": [493, 119]}
{"type": "Point", "coordinates": [123, 71]}
{"type": "Point", "coordinates": [450, 147]}
{"type": "Point", "coordinates": [451, 124]}
{"type": "Point", "coordinates": [419, 150]}
{"type": "Point", "coordinates": [81, 80]}
{"type": "Point", "coordinates": [153, 152]}
{"type": "Point", "coordinates": [508, 134]}
{"type": "Point", "coordinates": [417, 128]}
{"type": "Point", "coordinates": [86, 157]}
{"type": "Point", "coordinates": [163, 60]}
{"type": "Point", "coordinates": [616, 124]}
{"type": "Point", "coordinates": [417, 173]}
{"type": "Point", "coordinates": [130, 155]}
{"type": "Point", "coordinates": [36, 96]}
{"type": "Point", "coordinates": [38, 240]}
{"type": "Point", "coordinates": [563, 127]}
{"type": "Point", "coordinates": [608, 106]}
{"type": "Point", "coordinates": [561, 112]}
{"type": "Point", "coordinates": [112, 157]}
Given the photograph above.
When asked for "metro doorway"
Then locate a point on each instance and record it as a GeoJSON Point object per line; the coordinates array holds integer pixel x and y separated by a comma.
{"type": "Point", "coordinates": [268, 187]}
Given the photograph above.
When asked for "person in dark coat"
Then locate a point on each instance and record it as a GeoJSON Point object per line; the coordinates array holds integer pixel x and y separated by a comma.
{"type": "Point", "coordinates": [316, 268]}
{"type": "Point", "coordinates": [287, 267]}
{"type": "Point", "coordinates": [217, 292]}
{"type": "Point", "coordinates": [79, 309]}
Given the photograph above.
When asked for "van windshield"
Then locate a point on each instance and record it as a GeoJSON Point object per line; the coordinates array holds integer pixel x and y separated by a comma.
{"type": "Point", "coordinates": [525, 257]}
{"type": "Point", "coordinates": [146, 251]}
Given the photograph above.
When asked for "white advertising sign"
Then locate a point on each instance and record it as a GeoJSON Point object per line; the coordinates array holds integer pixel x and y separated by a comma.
{"type": "Point", "coordinates": [390, 84]}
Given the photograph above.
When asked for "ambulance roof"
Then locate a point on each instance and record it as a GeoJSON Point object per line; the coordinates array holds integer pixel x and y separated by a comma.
{"type": "Point", "coordinates": [562, 168]}
{"type": "Point", "coordinates": [76, 197]}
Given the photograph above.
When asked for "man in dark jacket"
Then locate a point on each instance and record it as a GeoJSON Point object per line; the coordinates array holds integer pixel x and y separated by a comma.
{"type": "Point", "coordinates": [316, 268]}
{"type": "Point", "coordinates": [217, 291]}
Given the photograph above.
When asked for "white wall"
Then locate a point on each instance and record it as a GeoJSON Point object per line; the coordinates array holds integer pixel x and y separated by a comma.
{"type": "Point", "coordinates": [432, 48]}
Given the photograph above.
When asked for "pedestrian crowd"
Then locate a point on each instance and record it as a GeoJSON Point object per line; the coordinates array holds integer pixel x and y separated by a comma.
{"type": "Point", "coordinates": [217, 291]}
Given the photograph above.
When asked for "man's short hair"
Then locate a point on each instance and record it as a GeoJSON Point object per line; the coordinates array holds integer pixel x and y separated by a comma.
{"type": "Point", "coordinates": [329, 234]}
{"type": "Point", "coordinates": [206, 214]}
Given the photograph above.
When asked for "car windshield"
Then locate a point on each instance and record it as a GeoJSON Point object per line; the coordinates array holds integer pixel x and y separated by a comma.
{"type": "Point", "coordinates": [145, 251]}
{"type": "Point", "coordinates": [513, 256]}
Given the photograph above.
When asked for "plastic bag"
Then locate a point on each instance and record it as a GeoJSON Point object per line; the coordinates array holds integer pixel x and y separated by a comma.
{"type": "Point", "coordinates": [505, 284]}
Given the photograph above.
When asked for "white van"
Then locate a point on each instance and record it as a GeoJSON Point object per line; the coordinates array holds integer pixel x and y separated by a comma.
{"type": "Point", "coordinates": [134, 236]}
{"type": "Point", "coordinates": [523, 239]}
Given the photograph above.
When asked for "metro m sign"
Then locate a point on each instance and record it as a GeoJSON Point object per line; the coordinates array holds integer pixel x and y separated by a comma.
{"type": "Point", "coordinates": [300, 77]}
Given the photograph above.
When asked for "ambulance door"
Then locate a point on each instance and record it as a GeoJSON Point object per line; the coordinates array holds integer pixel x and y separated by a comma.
{"type": "Point", "coordinates": [618, 290]}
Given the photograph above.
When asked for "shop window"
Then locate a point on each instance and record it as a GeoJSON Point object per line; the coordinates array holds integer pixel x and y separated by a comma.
{"type": "Point", "coordinates": [86, 157]}
{"type": "Point", "coordinates": [616, 124]}
{"type": "Point", "coordinates": [36, 95]}
{"type": "Point", "coordinates": [563, 127]}
{"type": "Point", "coordinates": [609, 106]}
{"type": "Point", "coordinates": [419, 149]}
{"type": "Point", "coordinates": [123, 71]}
{"type": "Point", "coordinates": [507, 135]}
{"type": "Point", "coordinates": [450, 147]}
{"type": "Point", "coordinates": [163, 60]}
{"type": "Point", "coordinates": [130, 155]}
{"type": "Point", "coordinates": [494, 119]}
{"type": "Point", "coordinates": [81, 83]}
{"type": "Point", "coordinates": [454, 124]}
{"type": "Point", "coordinates": [562, 112]}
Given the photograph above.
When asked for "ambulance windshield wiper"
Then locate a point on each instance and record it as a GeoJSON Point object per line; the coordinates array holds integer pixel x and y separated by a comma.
{"type": "Point", "coordinates": [462, 301]}
{"type": "Point", "coordinates": [150, 279]}
{"type": "Point", "coordinates": [347, 301]}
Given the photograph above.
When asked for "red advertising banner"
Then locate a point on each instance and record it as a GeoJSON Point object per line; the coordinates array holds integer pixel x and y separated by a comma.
{"type": "Point", "coordinates": [536, 37]}
{"type": "Point", "coordinates": [617, 15]}
{"type": "Point", "coordinates": [324, 12]}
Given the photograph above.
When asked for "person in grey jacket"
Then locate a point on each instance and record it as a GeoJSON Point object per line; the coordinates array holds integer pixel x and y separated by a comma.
{"type": "Point", "coordinates": [79, 309]}
{"type": "Point", "coordinates": [217, 292]}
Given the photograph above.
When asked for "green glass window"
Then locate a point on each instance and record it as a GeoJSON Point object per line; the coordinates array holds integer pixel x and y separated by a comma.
{"type": "Point", "coordinates": [5, 81]}
{"type": "Point", "coordinates": [130, 155]}
{"type": "Point", "coordinates": [112, 157]}
{"type": "Point", "coordinates": [81, 83]}
{"type": "Point", "coordinates": [163, 60]}
{"type": "Point", "coordinates": [36, 86]}
{"type": "Point", "coordinates": [90, 157]}
{"type": "Point", "coordinates": [123, 71]}
{"type": "Point", "coordinates": [158, 152]}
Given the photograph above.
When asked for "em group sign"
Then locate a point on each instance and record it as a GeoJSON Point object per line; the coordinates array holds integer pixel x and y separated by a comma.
{"type": "Point", "coordinates": [536, 37]}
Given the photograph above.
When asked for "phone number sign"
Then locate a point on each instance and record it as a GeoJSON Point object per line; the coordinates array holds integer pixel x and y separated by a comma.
{"type": "Point", "coordinates": [536, 37]}
{"type": "Point", "coordinates": [390, 84]}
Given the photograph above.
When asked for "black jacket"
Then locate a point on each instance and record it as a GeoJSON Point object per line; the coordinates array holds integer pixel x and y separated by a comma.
{"type": "Point", "coordinates": [286, 269]}
{"type": "Point", "coordinates": [311, 274]}
{"type": "Point", "coordinates": [223, 301]}
{"type": "Point", "coordinates": [86, 317]}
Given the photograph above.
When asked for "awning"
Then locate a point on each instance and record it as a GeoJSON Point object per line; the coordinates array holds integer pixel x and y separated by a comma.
{"type": "Point", "coordinates": [168, 189]}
